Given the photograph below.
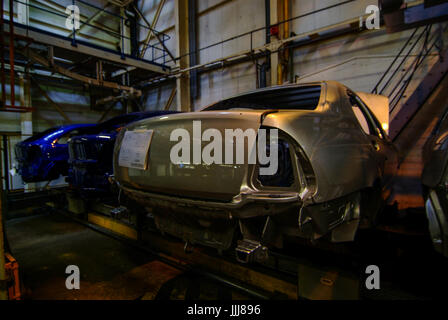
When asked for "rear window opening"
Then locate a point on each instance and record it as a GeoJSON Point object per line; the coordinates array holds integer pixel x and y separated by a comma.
{"type": "Point", "coordinates": [293, 97]}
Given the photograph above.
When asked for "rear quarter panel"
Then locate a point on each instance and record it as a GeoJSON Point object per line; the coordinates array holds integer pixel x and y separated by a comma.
{"type": "Point", "coordinates": [339, 151]}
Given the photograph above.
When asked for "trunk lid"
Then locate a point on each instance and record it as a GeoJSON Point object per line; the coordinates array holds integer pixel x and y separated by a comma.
{"type": "Point", "coordinates": [201, 181]}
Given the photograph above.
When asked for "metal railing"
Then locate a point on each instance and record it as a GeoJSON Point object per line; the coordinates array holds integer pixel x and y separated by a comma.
{"type": "Point", "coordinates": [396, 79]}
{"type": "Point", "coordinates": [110, 36]}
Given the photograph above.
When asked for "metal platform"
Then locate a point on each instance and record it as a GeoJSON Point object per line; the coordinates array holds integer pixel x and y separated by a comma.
{"type": "Point", "coordinates": [80, 50]}
{"type": "Point", "coordinates": [109, 60]}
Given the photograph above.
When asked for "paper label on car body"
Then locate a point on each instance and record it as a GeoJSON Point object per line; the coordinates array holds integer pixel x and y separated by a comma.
{"type": "Point", "coordinates": [134, 149]}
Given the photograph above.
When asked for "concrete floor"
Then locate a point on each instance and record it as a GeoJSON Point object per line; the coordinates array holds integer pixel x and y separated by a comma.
{"type": "Point", "coordinates": [45, 245]}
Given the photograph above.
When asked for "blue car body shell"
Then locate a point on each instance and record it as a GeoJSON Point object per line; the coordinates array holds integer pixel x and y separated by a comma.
{"type": "Point", "coordinates": [44, 156]}
{"type": "Point", "coordinates": [90, 163]}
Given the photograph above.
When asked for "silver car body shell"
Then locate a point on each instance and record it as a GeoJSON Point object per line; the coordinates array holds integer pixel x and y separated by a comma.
{"type": "Point", "coordinates": [340, 153]}
{"type": "Point", "coordinates": [434, 180]}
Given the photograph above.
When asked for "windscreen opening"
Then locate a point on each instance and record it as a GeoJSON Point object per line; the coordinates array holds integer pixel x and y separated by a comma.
{"type": "Point", "coordinates": [301, 98]}
{"type": "Point", "coordinates": [117, 122]}
{"type": "Point", "coordinates": [42, 134]}
{"type": "Point", "coordinates": [123, 120]}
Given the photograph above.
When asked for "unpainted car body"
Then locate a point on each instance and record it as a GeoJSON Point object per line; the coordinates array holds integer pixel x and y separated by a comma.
{"type": "Point", "coordinates": [435, 184]}
{"type": "Point", "coordinates": [334, 169]}
{"type": "Point", "coordinates": [44, 156]}
{"type": "Point", "coordinates": [90, 163]}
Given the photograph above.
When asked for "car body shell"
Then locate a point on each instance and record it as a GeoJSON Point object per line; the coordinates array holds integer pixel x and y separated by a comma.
{"type": "Point", "coordinates": [43, 157]}
{"type": "Point", "coordinates": [90, 163]}
{"type": "Point", "coordinates": [333, 159]}
{"type": "Point", "coordinates": [435, 184]}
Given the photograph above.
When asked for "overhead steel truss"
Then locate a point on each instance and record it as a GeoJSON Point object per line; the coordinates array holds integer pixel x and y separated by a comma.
{"type": "Point", "coordinates": [81, 59]}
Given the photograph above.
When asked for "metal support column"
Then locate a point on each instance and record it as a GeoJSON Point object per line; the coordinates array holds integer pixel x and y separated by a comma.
{"type": "Point", "coordinates": [280, 58]}
{"type": "Point", "coordinates": [183, 81]}
{"type": "Point", "coordinates": [263, 68]}
{"type": "Point", "coordinates": [274, 56]}
{"type": "Point", "coordinates": [3, 288]}
{"type": "Point", "coordinates": [192, 37]}
{"type": "Point", "coordinates": [2, 48]}
{"type": "Point", "coordinates": [267, 8]}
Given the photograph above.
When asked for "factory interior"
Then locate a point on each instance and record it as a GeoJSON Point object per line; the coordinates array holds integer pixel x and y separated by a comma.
{"type": "Point", "coordinates": [124, 173]}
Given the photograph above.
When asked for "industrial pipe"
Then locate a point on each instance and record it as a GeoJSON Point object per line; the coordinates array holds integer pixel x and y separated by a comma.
{"type": "Point", "coordinates": [11, 53]}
